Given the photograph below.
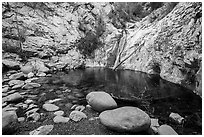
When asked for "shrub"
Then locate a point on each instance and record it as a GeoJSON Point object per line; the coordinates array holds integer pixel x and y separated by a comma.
{"type": "Point", "coordinates": [134, 11]}
{"type": "Point", "coordinates": [88, 44]}
{"type": "Point", "coordinates": [93, 31]}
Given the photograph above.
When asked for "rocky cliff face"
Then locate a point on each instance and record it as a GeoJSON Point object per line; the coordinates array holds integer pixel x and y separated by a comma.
{"type": "Point", "coordinates": [170, 46]}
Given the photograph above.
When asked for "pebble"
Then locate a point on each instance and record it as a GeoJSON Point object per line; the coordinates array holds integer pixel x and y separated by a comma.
{"type": "Point", "coordinates": [71, 97]}
{"type": "Point", "coordinates": [61, 96]}
{"type": "Point", "coordinates": [58, 92]}
{"type": "Point", "coordinates": [16, 76]}
{"type": "Point", "coordinates": [23, 93]}
{"type": "Point", "coordinates": [32, 106]}
{"type": "Point", "coordinates": [154, 122]}
{"type": "Point", "coordinates": [50, 107]}
{"type": "Point", "coordinates": [154, 125]}
{"type": "Point", "coordinates": [5, 80]}
{"type": "Point", "coordinates": [52, 101]}
{"type": "Point", "coordinates": [12, 71]}
{"type": "Point", "coordinates": [31, 85]}
{"type": "Point", "coordinates": [69, 105]}
{"type": "Point", "coordinates": [4, 94]}
{"type": "Point", "coordinates": [27, 69]}
{"type": "Point", "coordinates": [34, 117]}
{"type": "Point", "coordinates": [41, 74]}
{"type": "Point", "coordinates": [60, 119]}
{"type": "Point", "coordinates": [176, 118]}
{"type": "Point", "coordinates": [42, 130]}
{"type": "Point", "coordinates": [10, 108]}
{"type": "Point", "coordinates": [4, 90]}
{"type": "Point", "coordinates": [4, 86]}
{"type": "Point", "coordinates": [75, 101]}
{"type": "Point", "coordinates": [28, 101]}
{"type": "Point", "coordinates": [30, 80]}
{"type": "Point", "coordinates": [30, 75]}
{"type": "Point", "coordinates": [77, 115]}
{"type": "Point", "coordinates": [14, 97]}
{"type": "Point", "coordinates": [4, 104]}
{"type": "Point", "coordinates": [12, 91]}
{"type": "Point", "coordinates": [31, 111]}
{"type": "Point", "coordinates": [93, 118]}
{"type": "Point", "coordinates": [21, 119]}
{"type": "Point", "coordinates": [24, 106]}
{"type": "Point", "coordinates": [59, 113]}
{"type": "Point", "coordinates": [15, 82]}
{"type": "Point", "coordinates": [17, 86]}
{"type": "Point", "coordinates": [67, 90]}
{"type": "Point", "coordinates": [73, 107]}
{"type": "Point", "coordinates": [88, 106]}
{"type": "Point", "coordinates": [79, 95]}
{"type": "Point", "coordinates": [80, 108]}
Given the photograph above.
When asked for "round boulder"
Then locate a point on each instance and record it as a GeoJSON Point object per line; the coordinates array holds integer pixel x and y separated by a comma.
{"type": "Point", "coordinates": [101, 101]}
{"type": "Point", "coordinates": [125, 119]}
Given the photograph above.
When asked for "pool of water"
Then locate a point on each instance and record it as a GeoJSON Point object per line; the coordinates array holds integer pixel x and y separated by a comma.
{"type": "Point", "coordinates": [151, 93]}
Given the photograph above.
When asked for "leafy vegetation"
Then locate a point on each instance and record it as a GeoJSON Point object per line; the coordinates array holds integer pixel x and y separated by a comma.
{"type": "Point", "coordinates": [134, 11]}
{"type": "Point", "coordinates": [92, 36]}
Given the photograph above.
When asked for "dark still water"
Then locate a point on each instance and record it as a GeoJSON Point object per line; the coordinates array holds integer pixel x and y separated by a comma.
{"type": "Point", "coordinates": [154, 95]}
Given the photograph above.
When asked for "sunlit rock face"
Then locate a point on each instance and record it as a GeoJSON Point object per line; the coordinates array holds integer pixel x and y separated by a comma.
{"type": "Point", "coordinates": [170, 47]}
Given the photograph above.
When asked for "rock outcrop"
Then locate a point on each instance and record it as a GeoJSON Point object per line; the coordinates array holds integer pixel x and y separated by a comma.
{"type": "Point", "coordinates": [170, 46]}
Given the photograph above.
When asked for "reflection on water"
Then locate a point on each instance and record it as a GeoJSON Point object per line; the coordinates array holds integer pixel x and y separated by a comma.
{"type": "Point", "coordinates": [156, 96]}
{"type": "Point", "coordinates": [125, 83]}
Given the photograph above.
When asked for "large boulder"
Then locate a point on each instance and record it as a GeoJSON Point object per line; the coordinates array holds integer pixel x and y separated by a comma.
{"type": "Point", "coordinates": [125, 119]}
{"type": "Point", "coordinates": [9, 118]}
{"type": "Point", "coordinates": [101, 101]}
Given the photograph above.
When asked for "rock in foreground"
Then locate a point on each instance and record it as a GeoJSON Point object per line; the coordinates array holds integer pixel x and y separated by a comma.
{"type": "Point", "coordinates": [166, 130]}
{"type": "Point", "coordinates": [101, 101]}
{"type": "Point", "coordinates": [43, 130]}
{"type": "Point", "coordinates": [77, 115]}
{"type": "Point", "coordinates": [60, 119]}
{"type": "Point", "coordinates": [8, 118]}
{"type": "Point", "coordinates": [14, 97]}
{"type": "Point", "coordinates": [125, 119]}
